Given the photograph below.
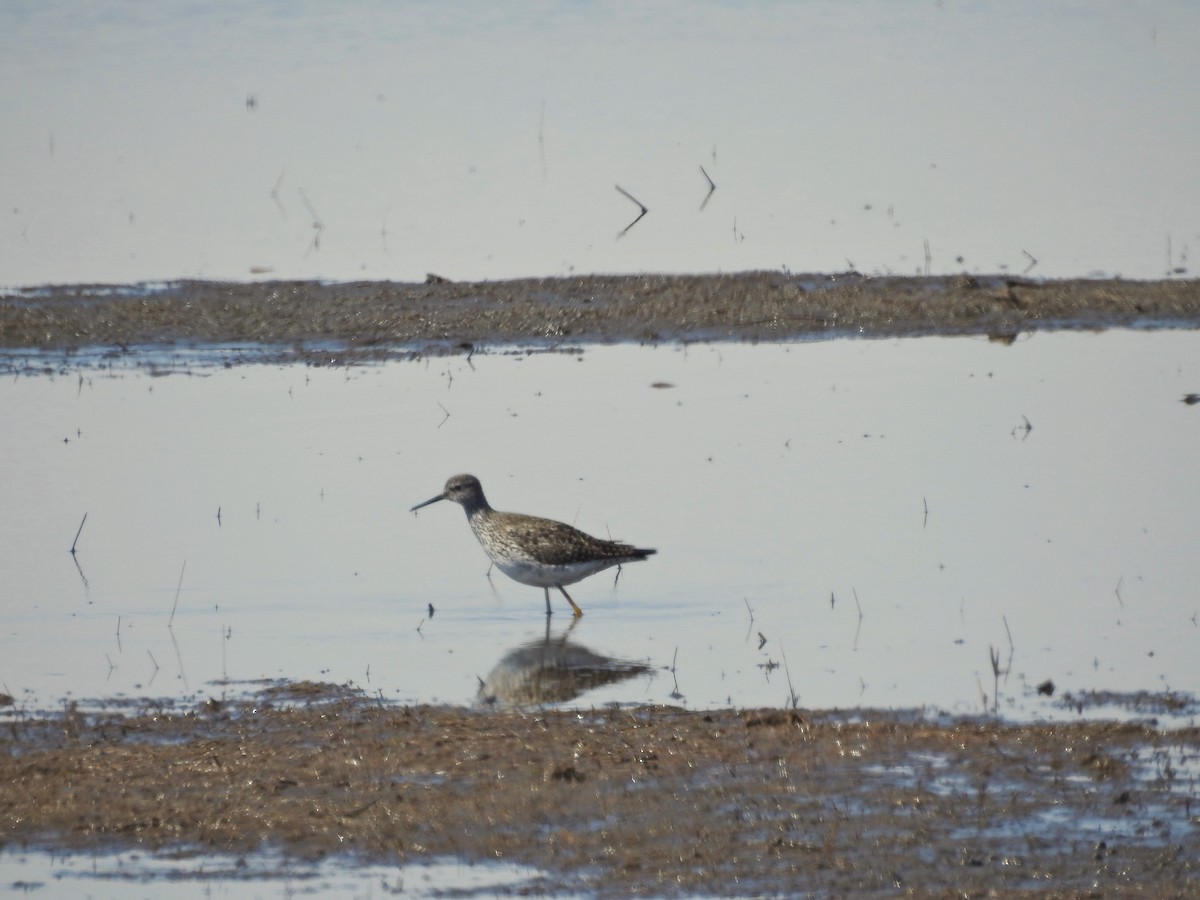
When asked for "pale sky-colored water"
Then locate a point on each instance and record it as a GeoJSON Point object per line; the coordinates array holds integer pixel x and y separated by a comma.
{"type": "Point", "coordinates": [253, 876]}
{"type": "Point", "coordinates": [168, 140]}
{"type": "Point", "coordinates": [769, 476]}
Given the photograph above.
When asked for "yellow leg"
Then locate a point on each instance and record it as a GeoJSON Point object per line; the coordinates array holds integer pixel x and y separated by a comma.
{"type": "Point", "coordinates": [578, 611]}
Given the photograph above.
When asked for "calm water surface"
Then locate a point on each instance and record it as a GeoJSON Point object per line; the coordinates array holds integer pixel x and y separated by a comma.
{"type": "Point", "coordinates": [857, 522]}
{"type": "Point", "coordinates": [384, 141]}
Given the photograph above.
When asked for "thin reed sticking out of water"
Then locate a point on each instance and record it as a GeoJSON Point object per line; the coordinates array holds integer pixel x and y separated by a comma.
{"type": "Point", "coordinates": [178, 588]}
{"type": "Point", "coordinates": [77, 533]}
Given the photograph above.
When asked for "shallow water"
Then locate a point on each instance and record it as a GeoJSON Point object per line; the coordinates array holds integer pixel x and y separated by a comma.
{"type": "Point", "coordinates": [384, 141]}
{"type": "Point", "coordinates": [185, 875]}
{"type": "Point", "coordinates": [860, 523]}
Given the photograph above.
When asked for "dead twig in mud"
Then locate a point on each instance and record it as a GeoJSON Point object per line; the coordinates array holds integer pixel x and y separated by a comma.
{"type": "Point", "coordinates": [77, 533]}
{"type": "Point", "coordinates": [178, 588]}
{"type": "Point", "coordinates": [275, 194]}
{"type": "Point", "coordinates": [675, 692]}
{"type": "Point", "coordinates": [712, 186]}
{"type": "Point", "coordinates": [994, 656]}
{"type": "Point", "coordinates": [997, 670]}
{"type": "Point", "coordinates": [608, 531]}
{"type": "Point", "coordinates": [179, 659]}
{"type": "Point", "coordinates": [858, 630]}
{"type": "Point", "coordinates": [171, 630]}
{"type": "Point", "coordinates": [75, 558]}
{"type": "Point", "coordinates": [793, 698]}
{"type": "Point", "coordinates": [317, 224]}
{"type": "Point", "coordinates": [641, 206]}
{"type": "Point", "coordinates": [79, 569]}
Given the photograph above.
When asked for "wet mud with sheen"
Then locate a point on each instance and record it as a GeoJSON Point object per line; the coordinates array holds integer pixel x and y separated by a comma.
{"type": "Point", "coordinates": [621, 801]}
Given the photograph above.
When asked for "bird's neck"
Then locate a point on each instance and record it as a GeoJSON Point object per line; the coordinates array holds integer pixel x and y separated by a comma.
{"type": "Point", "coordinates": [477, 512]}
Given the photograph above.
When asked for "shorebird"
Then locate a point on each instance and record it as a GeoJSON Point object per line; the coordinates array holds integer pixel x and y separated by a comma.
{"type": "Point", "coordinates": [538, 552]}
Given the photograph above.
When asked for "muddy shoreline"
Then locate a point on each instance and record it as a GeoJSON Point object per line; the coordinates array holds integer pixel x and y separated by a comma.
{"type": "Point", "coordinates": [622, 801]}
{"type": "Point", "coordinates": [363, 321]}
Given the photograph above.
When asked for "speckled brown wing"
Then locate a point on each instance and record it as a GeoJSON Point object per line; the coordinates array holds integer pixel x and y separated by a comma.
{"type": "Point", "coordinates": [550, 543]}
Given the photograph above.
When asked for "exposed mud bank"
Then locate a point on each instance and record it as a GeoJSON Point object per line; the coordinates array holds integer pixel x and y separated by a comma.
{"type": "Point", "coordinates": [626, 801]}
{"type": "Point", "coordinates": [373, 320]}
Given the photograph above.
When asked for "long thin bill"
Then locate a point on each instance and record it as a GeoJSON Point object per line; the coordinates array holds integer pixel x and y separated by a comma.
{"type": "Point", "coordinates": [427, 502]}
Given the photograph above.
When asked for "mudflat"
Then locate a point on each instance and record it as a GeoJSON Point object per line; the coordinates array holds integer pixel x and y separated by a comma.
{"type": "Point", "coordinates": [371, 320]}
{"type": "Point", "coordinates": [623, 801]}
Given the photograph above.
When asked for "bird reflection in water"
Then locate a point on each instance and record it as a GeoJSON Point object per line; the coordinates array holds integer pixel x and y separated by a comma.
{"type": "Point", "coordinates": [552, 670]}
